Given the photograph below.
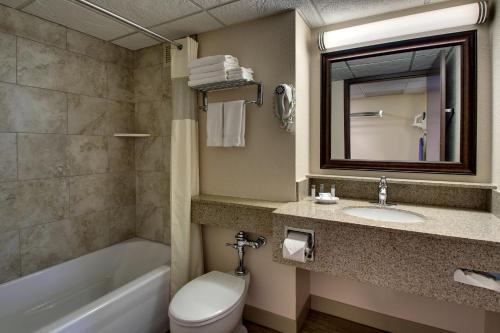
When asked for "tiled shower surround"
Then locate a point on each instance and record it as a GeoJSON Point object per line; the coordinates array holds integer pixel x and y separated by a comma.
{"type": "Point", "coordinates": [67, 186]}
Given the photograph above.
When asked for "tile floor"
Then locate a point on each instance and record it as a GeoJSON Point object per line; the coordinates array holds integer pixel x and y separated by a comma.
{"type": "Point", "coordinates": [318, 322]}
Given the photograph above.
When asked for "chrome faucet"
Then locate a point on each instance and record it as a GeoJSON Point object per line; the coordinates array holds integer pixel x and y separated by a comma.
{"type": "Point", "coordinates": [241, 243]}
{"type": "Point", "coordinates": [382, 191]}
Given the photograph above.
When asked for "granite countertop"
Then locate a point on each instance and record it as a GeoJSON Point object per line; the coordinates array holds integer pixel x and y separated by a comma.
{"type": "Point", "coordinates": [238, 202]}
{"type": "Point", "coordinates": [466, 225]}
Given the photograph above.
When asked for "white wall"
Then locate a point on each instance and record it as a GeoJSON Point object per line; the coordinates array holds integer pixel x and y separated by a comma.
{"type": "Point", "coordinates": [391, 137]}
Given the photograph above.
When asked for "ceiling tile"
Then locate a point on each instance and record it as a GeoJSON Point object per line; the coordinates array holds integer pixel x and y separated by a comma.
{"type": "Point", "coordinates": [211, 3]}
{"type": "Point", "coordinates": [12, 3]}
{"type": "Point", "coordinates": [346, 10]}
{"type": "Point", "coordinates": [310, 14]}
{"type": "Point", "coordinates": [136, 41]}
{"type": "Point", "coordinates": [149, 12]}
{"type": "Point", "coordinates": [378, 59]}
{"type": "Point", "coordinates": [341, 74]}
{"type": "Point", "coordinates": [421, 63]}
{"type": "Point", "coordinates": [356, 91]}
{"type": "Point", "coordinates": [189, 25]}
{"type": "Point", "coordinates": [246, 10]}
{"type": "Point", "coordinates": [390, 67]}
{"type": "Point", "coordinates": [78, 18]}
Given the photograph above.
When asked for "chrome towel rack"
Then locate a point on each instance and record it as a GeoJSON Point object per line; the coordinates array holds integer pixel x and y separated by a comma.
{"type": "Point", "coordinates": [225, 85]}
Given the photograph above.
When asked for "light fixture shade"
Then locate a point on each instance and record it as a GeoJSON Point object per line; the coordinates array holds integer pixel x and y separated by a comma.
{"type": "Point", "coordinates": [452, 17]}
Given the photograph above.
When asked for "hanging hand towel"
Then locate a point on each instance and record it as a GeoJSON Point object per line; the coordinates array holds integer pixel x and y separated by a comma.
{"type": "Point", "coordinates": [214, 124]}
{"type": "Point", "coordinates": [234, 124]}
{"type": "Point", "coordinates": [212, 60]}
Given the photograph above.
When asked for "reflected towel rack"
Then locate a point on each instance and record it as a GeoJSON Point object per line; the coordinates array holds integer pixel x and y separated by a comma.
{"type": "Point", "coordinates": [225, 85]}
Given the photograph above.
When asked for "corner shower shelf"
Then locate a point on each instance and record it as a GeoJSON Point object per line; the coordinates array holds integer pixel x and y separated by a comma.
{"type": "Point", "coordinates": [132, 135]}
{"type": "Point", "coordinates": [225, 85]}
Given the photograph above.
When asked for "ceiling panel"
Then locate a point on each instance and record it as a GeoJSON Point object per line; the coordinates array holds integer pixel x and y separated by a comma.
{"type": "Point", "coordinates": [177, 18]}
{"type": "Point", "coordinates": [135, 41]}
{"type": "Point", "coordinates": [12, 3]}
{"type": "Point", "coordinates": [211, 3]}
{"type": "Point", "coordinates": [246, 10]}
{"type": "Point", "coordinates": [346, 10]}
{"type": "Point", "coordinates": [379, 59]}
{"type": "Point", "coordinates": [192, 24]}
{"type": "Point", "coordinates": [310, 14]}
{"type": "Point", "coordinates": [422, 63]}
{"type": "Point", "coordinates": [76, 17]}
{"type": "Point", "coordinates": [390, 67]}
{"type": "Point", "coordinates": [149, 12]}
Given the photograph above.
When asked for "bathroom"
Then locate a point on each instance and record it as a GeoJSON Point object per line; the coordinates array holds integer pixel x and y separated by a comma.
{"type": "Point", "coordinates": [359, 196]}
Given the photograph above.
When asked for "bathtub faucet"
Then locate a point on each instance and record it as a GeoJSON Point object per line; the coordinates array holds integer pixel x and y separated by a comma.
{"type": "Point", "coordinates": [242, 242]}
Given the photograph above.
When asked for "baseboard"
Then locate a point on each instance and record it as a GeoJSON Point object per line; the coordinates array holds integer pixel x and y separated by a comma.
{"type": "Point", "coordinates": [369, 318]}
{"type": "Point", "coordinates": [269, 319]}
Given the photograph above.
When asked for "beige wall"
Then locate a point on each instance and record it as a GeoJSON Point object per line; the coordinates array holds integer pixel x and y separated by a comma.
{"type": "Point", "coordinates": [265, 168]}
{"type": "Point", "coordinates": [391, 137]}
{"type": "Point", "coordinates": [303, 47]}
{"type": "Point", "coordinates": [272, 286]}
{"type": "Point", "coordinates": [423, 310]}
{"type": "Point", "coordinates": [495, 41]}
{"type": "Point", "coordinates": [483, 97]}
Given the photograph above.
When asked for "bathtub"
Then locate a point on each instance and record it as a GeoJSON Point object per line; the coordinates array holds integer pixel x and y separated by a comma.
{"type": "Point", "coordinates": [122, 288]}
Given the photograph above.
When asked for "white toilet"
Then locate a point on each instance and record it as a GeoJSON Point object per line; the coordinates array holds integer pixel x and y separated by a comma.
{"type": "Point", "coordinates": [211, 303]}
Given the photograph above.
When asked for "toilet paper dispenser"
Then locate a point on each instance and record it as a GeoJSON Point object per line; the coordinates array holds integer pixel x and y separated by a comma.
{"type": "Point", "coordinates": [298, 244]}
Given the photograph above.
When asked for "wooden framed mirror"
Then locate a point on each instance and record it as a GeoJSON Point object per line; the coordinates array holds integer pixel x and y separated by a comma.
{"type": "Point", "coordinates": [403, 106]}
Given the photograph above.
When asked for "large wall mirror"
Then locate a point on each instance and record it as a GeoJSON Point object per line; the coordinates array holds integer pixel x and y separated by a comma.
{"type": "Point", "coordinates": [404, 106]}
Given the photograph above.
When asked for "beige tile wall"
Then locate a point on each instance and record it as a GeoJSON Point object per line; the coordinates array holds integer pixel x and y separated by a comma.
{"type": "Point", "coordinates": [153, 113]}
{"type": "Point", "coordinates": [67, 186]}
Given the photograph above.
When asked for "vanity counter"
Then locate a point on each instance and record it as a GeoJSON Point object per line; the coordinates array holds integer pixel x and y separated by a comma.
{"type": "Point", "coordinates": [234, 213]}
{"type": "Point", "coordinates": [418, 258]}
{"type": "Point", "coordinates": [466, 225]}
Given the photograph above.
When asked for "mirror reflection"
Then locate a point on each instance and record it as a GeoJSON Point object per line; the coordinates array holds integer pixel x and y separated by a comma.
{"type": "Point", "coordinates": [403, 106]}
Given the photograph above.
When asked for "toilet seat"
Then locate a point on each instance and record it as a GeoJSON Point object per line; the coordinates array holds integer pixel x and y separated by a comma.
{"type": "Point", "coordinates": [207, 299]}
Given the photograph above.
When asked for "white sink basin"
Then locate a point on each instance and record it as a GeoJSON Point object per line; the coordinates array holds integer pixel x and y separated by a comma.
{"type": "Point", "coordinates": [384, 214]}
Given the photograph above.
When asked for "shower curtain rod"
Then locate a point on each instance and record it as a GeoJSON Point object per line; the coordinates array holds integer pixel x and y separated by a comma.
{"type": "Point", "coordinates": [146, 31]}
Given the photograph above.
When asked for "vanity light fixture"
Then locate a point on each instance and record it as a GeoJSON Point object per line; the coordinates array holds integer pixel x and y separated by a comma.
{"type": "Point", "coordinates": [452, 17]}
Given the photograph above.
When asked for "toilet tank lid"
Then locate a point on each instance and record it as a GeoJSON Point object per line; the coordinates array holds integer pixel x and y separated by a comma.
{"type": "Point", "coordinates": [207, 297]}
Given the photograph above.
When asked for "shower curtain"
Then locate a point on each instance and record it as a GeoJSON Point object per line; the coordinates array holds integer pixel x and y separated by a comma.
{"type": "Point", "coordinates": [187, 252]}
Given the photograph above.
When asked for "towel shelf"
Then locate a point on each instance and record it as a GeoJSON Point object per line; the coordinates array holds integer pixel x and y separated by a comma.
{"type": "Point", "coordinates": [225, 85]}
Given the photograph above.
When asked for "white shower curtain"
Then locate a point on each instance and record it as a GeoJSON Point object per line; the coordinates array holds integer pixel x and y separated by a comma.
{"type": "Point", "coordinates": [187, 252]}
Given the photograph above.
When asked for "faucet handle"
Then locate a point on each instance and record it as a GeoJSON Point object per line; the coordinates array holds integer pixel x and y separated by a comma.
{"type": "Point", "coordinates": [234, 246]}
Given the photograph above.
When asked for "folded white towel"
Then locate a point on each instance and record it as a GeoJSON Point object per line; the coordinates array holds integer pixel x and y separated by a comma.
{"type": "Point", "coordinates": [234, 124]}
{"type": "Point", "coordinates": [212, 79]}
{"type": "Point", "coordinates": [214, 67]}
{"type": "Point", "coordinates": [241, 76]}
{"type": "Point", "coordinates": [214, 124]}
{"type": "Point", "coordinates": [194, 77]}
{"type": "Point", "coordinates": [240, 70]}
{"type": "Point", "coordinates": [212, 60]}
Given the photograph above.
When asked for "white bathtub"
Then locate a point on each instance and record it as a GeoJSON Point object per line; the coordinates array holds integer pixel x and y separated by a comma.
{"type": "Point", "coordinates": [123, 288]}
